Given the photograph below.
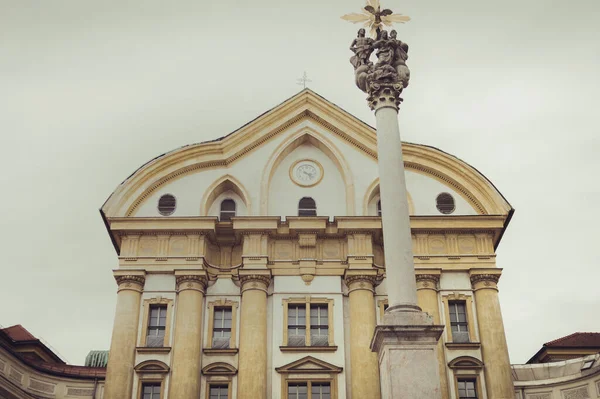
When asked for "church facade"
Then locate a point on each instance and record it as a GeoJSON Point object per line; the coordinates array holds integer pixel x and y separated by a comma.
{"type": "Point", "coordinates": [252, 266]}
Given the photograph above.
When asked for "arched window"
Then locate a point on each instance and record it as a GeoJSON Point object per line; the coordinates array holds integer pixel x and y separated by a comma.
{"type": "Point", "coordinates": [307, 207]}
{"type": "Point", "coordinates": [227, 210]}
{"type": "Point", "coordinates": [166, 204]}
{"type": "Point", "coordinates": [379, 208]}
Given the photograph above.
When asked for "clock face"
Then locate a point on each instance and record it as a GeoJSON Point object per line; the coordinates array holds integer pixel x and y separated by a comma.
{"type": "Point", "coordinates": [306, 173]}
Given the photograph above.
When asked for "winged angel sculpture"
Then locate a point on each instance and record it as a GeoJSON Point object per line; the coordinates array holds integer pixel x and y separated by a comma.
{"type": "Point", "coordinates": [390, 68]}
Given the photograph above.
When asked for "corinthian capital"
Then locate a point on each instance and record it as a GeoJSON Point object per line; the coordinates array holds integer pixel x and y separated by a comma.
{"type": "Point", "coordinates": [191, 282]}
{"type": "Point", "coordinates": [361, 281]}
{"type": "Point", "coordinates": [428, 281]}
{"type": "Point", "coordinates": [133, 282]}
{"type": "Point", "coordinates": [485, 280]}
{"type": "Point", "coordinates": [255, 281]}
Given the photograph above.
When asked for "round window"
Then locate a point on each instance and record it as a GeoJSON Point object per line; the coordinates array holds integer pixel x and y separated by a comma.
{"type": "Point", "coordinates": [445, 203]}
{"type": "Point", "coordinates": [166, 205]}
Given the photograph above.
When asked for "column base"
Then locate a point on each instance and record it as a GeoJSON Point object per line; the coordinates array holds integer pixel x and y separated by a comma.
{"type": "Point", "coordinates": [406, 344]}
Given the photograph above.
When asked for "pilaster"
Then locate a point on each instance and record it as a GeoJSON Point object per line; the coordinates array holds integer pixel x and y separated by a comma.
{"type": "Point", "coordinates": [363, 318]}
{"type": "Point", "coordinates": [252, 370]}
{"type": "Point", "coordinates": [427, 297]}
{"type": "Point", "coordinates": [494, 349]}
{"type": "Point", "coordinates": [119, 373]}
{"type": "Point", "coordinates": [187, 343]}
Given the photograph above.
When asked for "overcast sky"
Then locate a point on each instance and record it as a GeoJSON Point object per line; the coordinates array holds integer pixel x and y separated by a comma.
{"type": "Point", "coordinates": [91, 90]}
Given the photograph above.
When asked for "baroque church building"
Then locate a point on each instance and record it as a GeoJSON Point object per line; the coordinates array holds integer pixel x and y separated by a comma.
{"type": "Point", "coordinates": [252, 266]}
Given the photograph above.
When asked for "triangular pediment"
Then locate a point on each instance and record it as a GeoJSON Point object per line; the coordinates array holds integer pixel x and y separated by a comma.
{"type": "Point", "coordinates": [308, 364]}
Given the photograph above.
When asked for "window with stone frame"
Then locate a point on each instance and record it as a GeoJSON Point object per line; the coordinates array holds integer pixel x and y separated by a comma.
{"type": "Point", "coordinates": [309, 390]}
{"type": "Point", "coordinates": [218, 391]}
{"type": "Point", "coordinates": [151, 390]}
{"type": "Point", "coordinates": [467, 388]}
{"type": "Point", "coordinates": [157, 322]}
{"type": "Point", "coordinates": [458, 321]}
{"type": "Point", "coordinates": [308, 323]}
{"type": "Point", "coordinates": [221, 333]}
{"type": "Point", "coordinates": [307, 207]}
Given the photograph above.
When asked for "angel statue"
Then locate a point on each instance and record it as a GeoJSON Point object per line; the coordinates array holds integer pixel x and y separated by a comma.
{"type": "Point", "coordinates": [400, 57]}
{"type": "Point", "coordinates": [362, 47]}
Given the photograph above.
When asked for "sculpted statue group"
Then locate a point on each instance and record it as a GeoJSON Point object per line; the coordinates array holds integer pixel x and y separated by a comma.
{"type": "Point", "coordinates": [390, 70]}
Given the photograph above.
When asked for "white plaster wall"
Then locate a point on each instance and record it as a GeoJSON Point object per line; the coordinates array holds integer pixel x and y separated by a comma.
{"type": "Point", "coordinates": [293, 286]}
{"type": "Point", "coordinates": [284, 195]}
{"type": "Point", "coordinates": [455, 281]}
{"type": "Point", "coordinates": [329, 194]}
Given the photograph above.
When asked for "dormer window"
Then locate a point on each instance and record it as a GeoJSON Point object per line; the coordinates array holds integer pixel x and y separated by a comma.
{"type": "Point", "coordinates": [379, 208]}
{"type": "Point", "coordinates": [227, 210]}
{"type": "Point", "coordinates": [307, 207]}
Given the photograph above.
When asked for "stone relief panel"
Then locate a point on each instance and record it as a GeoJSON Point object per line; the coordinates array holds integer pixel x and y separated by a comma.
{"type": "Point", "coordinates": [41, 386]}
{"type": "Point", "coordinates": [148, 246]}
{"type": "Point", "coordinates": [15, 375]}
{"type": "Point", "coordinates": [283, 250]}
{"type": "Point", "coordinates": [466, 244]}
{"type": "Point", "coordinates": [437, 244]}
{"type": "Point", "coordinates": [544, 395]}
{"type": "Point", "coordinates": [576, 393]}
{"type": "Point", "coordinates": [178, 246]}
{"type": "Point", "coordinates": [332, 249]}
{"type": "Point", "coordinates": [71, 391]}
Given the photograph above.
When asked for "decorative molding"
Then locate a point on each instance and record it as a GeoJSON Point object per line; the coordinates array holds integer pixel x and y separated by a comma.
{"type": "Point", "coordinates": [151, 349]}
{"type": "Point", "coordinates": [71, 391]}
{"type": "Point", "coordinates": [41, 386]}
{"type": "Point", "coordinates": [219, 368]}
{"type": "Point", "coordinates": [152, 366]}
{"type": "Point", "coordinates": [220, 352]}
{"type": "Point", "coordinates": [428, 281]}
{"type": "Point", "coordinates": [332, 348]}
{"type": "Point", "coordinates": [309, 365]}
{"type": "Point", "coordinates": [361, 281]}
{"type": "Point", "coordinates": [581, 392]}
{"type": "Point", "coordinates": [466, 362]}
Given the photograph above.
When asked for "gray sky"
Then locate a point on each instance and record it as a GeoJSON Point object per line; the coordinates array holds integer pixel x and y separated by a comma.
{"type": "Point", "coordinates": [92, 90]}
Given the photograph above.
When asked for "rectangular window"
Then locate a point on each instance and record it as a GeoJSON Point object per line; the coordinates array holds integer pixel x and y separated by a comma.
{"type": "Point", "coordinates": [296, 325]}
{"type": "Point", "coordinates": [221, 328]}
{"type": "Point", "coordinates": [218, 392]}
{"type": "Point", "coordinates": [309, 390]}
{"type": "Point", "coordinates": [156, 326]}
{"type": "Point", "coordinates": [151, 391]}
{"type": "Point", "coordinates": [467, 388]}
{"type": "Point", "coordinates": [458, 321]}
{"type": "Point", "coordinates": [319, 325]}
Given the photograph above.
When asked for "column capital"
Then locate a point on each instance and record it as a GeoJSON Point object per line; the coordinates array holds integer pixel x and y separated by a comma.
{"type": "Point", "coordinates": [385, 95]}
{"type": "Point", "coordinates": [428, 281]}
{"type": "Point", "coordinates": [196, 282]}
{"type": "Point", "coordinates": [362, 281]}
{"type": "Point", "coordinates": [485, 280]}
{"type": "Point", "coordinates": [134, 282]}
{"type": "Point", "coordinates": [255, 281]}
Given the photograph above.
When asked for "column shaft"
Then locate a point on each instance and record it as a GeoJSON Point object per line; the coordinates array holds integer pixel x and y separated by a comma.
{"type": "Point", "coordinates": [400, 270]}
{"type": "Point", "coordinates": [365, 366]}
{"type": "Point", "coordinates": [252, 369]}
{"type": "Point", "coordinates": [119, 372]}
{"type": "Point", "coordinates": [498, 380]}
{"type": "Point", "coordinates": [427, 297]}
{"type": "Point", "coordinates": [187, 337]}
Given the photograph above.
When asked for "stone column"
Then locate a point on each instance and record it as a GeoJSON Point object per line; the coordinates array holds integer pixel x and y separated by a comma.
{"type": "Point", "coordinates": [400, 268]}
{"type": "Point", "coordinates": [252, 364]}
{"type": "Point", "coordinates": [119, 372]}
{"type": "Point", "coordinates": [187, 338]}
{"type": "Point", "coordinates": [408, 335]}
{"type": "Point", "coordinates": [494, 350]}
{"type": "Point", "coordinates": [427, 297]}
{"type": "Point", "coordinates": [363, 319]}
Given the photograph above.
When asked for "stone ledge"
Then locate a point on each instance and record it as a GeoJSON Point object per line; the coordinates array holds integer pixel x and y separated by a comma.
{"type": "Point", "coordinates": [308, 348]}
{"type": "Point", "coordinates": [152, 349]}
{"type": "Point", "coordinates": [405, 335]}
{"type": "Point", "coordinates": [463, 345]}
{"type": "Point", "coordinates": [215, 351]}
